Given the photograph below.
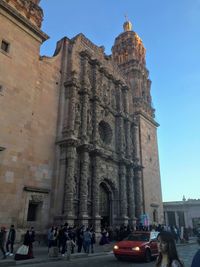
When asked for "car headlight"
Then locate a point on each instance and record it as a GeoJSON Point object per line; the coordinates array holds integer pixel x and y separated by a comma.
{"type": "Point", "coordinates": [136, 248]}
{"type": "Point", "coordinates": [115, 247]}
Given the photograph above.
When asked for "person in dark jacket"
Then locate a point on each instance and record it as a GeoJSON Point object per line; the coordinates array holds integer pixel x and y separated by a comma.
{"type": "Point", "coordinates": [29, 238]}
{"type": "Point", "coordinates": [196, 259]}
{"type": "Point", "coordinates": [10, 240]}
{"type": "Point", "coordinates": [2, 241]}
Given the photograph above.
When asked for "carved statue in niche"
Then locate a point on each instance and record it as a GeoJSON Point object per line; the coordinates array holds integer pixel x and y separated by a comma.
{"type": "Point", "coordinates": [76, 177]}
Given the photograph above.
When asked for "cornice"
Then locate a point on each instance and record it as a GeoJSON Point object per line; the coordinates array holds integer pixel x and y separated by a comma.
{"type": "Point", "coordinates": [37, 189]}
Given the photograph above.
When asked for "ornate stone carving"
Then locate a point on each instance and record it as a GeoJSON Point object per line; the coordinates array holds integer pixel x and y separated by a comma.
{"type": "Point", "coordinates": [29, 9]}
{"type": "Point", "coordinates": [37, 198]}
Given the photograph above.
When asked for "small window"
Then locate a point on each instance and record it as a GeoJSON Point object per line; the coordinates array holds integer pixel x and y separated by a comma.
{"type": "Point", "coordinates": [5, 46]}
{"type": "Point", "coordinates": [32, 212]}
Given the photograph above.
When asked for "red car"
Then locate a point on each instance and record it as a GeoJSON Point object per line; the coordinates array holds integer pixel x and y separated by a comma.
{"type": "Point", "coordinates": [138, 245]}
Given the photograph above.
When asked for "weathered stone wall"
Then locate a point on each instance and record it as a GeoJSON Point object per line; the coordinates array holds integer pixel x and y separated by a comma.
{"type": "Point", "coordinates": [28, 108]}
{"type": "Point", "coordinates": [151, 173]}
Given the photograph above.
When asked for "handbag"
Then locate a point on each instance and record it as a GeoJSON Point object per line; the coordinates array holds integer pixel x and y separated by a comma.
{"type": "Point", "coordinates": [23, 250]}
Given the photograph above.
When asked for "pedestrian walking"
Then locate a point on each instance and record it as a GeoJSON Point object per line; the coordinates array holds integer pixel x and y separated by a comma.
{"type": "Point", "coordinates": [10, 240]}
{"type": "Point", "coordinates": [104, 237]}
{"type": "Point", "coordinates": [93, 239]}
{"type": "Point", "coordinates": [196, 259]}
{"type": "Point", "coordinates": [52, 237]}
{"type": "Point", "coordinates": [2, 241]}
{"type": "Point", "coordinates": [87, 236]}
{"type": "Point", "coordinates": [168, 256]}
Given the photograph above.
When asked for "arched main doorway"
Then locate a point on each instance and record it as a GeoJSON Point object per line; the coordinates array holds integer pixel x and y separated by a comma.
{"type": "Point", "coordinates": [105, 203]}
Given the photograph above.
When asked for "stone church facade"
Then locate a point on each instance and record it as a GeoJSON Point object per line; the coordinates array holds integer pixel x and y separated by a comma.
{"type": "Point", "coordinates": [78, 140]}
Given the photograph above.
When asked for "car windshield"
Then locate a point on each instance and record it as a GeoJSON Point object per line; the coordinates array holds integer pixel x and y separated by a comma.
{"type": "Point", "coordinates": [138, 237]}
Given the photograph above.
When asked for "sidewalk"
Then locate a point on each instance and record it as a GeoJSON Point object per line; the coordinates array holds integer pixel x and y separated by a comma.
{"type": "Point", "coordinates": [41, 254]}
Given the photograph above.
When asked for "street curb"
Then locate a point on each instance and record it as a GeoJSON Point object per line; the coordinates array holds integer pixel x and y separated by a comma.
{"type": "Point", "coordinates": [7, 263]}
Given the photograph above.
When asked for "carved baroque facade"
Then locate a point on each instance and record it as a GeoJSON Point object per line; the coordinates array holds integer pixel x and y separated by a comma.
{"type": "Point", "coordinates": [85, 146]}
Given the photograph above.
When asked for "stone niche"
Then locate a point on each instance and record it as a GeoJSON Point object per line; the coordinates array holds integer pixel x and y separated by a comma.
{"type": "Point", "coordinates": [36, 207]}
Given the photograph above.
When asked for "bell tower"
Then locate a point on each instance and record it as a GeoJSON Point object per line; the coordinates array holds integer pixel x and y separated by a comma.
{"type": "Point", "coordinates": [129, 54]}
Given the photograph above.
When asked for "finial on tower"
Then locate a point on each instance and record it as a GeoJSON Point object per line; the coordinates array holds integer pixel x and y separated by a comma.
{"type": "Point", "coordinates": [127, 24]}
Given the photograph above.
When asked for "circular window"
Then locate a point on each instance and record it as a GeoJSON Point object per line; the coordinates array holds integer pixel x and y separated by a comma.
{"type": "Point", "coordinates": [105, 132]}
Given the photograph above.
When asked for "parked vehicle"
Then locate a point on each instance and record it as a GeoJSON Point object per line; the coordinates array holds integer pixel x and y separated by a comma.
{"type": "Point", "coordinates": [138, 245]}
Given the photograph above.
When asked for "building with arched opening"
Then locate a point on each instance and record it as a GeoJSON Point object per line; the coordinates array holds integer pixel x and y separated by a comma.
{"type": "Point", "coordinates": [78, 140]}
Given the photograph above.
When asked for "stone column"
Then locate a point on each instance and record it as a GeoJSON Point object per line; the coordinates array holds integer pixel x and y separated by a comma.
{"type": "Point", "coordinates": [186, 218]}
{"type": "Point", "coordinates": [166, 218]}
{"type": "Point", "coordinates": [131, 195]}
{"type": "Point", "coordinates": [123, 194]}
{"type": "Point", "coordinates": [85, 101]}
{"type": "Point", "coordinates": [95, 194]}
{"type": "Point", "coordinates": [121, 124]}
{"type": "Point", "coordinates": [70, 104]}
{"type": "Point", "coordinates": [176, 218]}
{"type": "Point", "coordinates": [60, 192]}
{"type": "Point", "coordinates": [84, 172]}
{"type": "Point", "coordinates": [128, 138]}
{"type": "Point", "coordinates": [138, 191]}
{"type": "Point", "coordinates": [96, 104]}
{"type": "Point", "coordinates": [135, 141]}
{"type": "Point", "coordinates": [125, 96]}
{"type": "Point", "coordinates": [84, 115]}
{"type": "Point", "coordinates": [69, 184]}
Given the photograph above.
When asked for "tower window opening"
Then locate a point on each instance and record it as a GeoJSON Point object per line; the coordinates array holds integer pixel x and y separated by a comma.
{"type": "Point", "coordinates": [5, 46]}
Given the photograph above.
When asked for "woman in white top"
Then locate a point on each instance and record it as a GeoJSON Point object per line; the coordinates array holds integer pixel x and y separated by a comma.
{"type": "Point", "coordinates": [168, 256]}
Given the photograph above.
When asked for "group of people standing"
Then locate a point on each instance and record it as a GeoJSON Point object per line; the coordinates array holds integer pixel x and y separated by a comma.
{"type": "Point", "coordinates": [66, 238]}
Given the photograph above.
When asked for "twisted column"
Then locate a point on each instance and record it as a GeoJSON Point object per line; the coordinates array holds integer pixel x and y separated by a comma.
{"type": "Point", "coordinates": [83, 213]}
{"type": "Point", "coordinates": [70, 183]}
{"type": "Point", "coordinates": [131, 195]}
{"type": "Point", "coordinates": [95, 193]}
{"type": "Point", "coordinates": [71, 88]}
{"type": "Point", "coordinates": [123, 192]}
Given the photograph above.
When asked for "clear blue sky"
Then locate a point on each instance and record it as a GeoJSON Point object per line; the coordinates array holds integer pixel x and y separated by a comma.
{"type": "Point", "coordinates": [170, 31]}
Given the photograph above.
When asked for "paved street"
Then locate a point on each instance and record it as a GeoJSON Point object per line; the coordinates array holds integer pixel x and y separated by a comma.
{"type": "Point", "coordinates": [186, 253]}
{"type": "Point", "coordinates": [99, 261]}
